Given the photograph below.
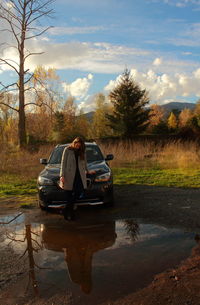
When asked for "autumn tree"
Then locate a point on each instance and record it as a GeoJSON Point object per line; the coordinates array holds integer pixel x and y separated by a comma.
{"type": "Point", "coordinates": [8, 118]}
{"type": "Point", "coordinates": [82, 125]}
{"type": "Point", "coordinates": [44, 104]}
{"type": "Point", "coordinates": [130, 116]}
{"type": "Point", "coordinates": [20, 18]}
{"type": "Point", "coordinates": [46, 82]}
{"type": "Point", "coordinates": [69, 111]}
{"type": "Point", "coordinates": [172, 121]}
{"type": "Point", "coordinates": [156, 116]}
{"type": "Point", "coordinates": [184, 117]}
{"type": "Point", "coordinates": [100, 124]}
{"type": "Point", "coordinates": [196, 110]}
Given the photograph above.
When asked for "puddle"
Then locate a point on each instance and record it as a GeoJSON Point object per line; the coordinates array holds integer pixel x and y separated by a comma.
{"type": "Point", "coordinates": [90, 263]}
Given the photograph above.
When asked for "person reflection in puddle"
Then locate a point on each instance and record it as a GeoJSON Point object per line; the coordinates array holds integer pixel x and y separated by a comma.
{"type": "Point", "coordinates": [73, 174]}
{"type": "Point", "coordinates": [79, 242]}
{"type": "Point", "coordinates": [80, 266]}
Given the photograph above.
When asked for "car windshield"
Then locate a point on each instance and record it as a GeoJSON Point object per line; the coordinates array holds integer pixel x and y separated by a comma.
{"type": "Point", "coordinates": [93, 154]}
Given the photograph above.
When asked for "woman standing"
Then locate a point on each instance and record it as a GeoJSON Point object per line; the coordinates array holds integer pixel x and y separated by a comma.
{"type": "Point", "coordinates": [73, 174]}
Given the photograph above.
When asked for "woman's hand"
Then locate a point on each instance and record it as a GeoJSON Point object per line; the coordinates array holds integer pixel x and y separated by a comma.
{"type": "Point", "coordinates": [62, 181]}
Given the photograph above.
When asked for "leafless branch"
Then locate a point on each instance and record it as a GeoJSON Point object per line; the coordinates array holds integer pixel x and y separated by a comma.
{"type": "Point", "coordinates": [39, 34]}
{"type": "Point", "coordinates": [1, 103]}
{"type": "Point", "coordinates": [6, 223]}
{"type": "Point", "coordinates": [28, 80]}
{"type": "Point", "coordinates": [5, 61]}
{"type": "Point", "coordinates": [7, 45]}
{"type": "Point", "coordinates": [40, 105]}
{"type": "Point", "coordinates": [33, 53]}
{"type": "Point", "coordinates": [7, 86]}
{"type": "Point", "coordinates": [34, 233]}
{"type": "Point", "coordinates": [40, 247]}
{"type": "Point", "coordinates": [45, 13]}
{"type": "Point", "coordinates": [23, 254]}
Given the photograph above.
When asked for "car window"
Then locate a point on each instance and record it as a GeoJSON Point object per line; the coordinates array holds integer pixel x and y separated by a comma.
{"type": "Point", "coordinates": [93, 153]}
{"type": "Point", "coordinates": [56, 155]}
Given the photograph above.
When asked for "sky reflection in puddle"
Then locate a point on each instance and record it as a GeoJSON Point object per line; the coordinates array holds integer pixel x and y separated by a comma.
{"type": "Point", "coordinates": [92, 263]}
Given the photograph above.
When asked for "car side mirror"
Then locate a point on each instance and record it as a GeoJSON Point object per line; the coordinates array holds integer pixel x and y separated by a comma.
{"type": "Point", "coordinates": [109, 157]}
{"type": "Point", "coordinates": [43, 161]}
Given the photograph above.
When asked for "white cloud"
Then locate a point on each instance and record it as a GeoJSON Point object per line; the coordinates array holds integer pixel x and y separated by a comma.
{"type": "Point", "coordinates": [84, 56]}
{"type": "Point", "coordinates": [164, 88]}
{"type": "Point", "coordinates": [79, 88]}
{"type": "Point", "coordinates": [88, 104]}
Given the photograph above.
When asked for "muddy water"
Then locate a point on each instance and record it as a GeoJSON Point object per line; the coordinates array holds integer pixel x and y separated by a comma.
{"type": "Point", "coordinates": [86, 262]}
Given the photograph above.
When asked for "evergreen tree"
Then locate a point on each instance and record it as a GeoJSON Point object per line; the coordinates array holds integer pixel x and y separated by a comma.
{"type": "Point", "coordinates": [130, 117]}
{"type": "Point", "coordinates": [58, 127]}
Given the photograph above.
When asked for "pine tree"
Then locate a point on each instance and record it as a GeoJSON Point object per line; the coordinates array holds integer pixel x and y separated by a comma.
{"type": "Point", "coordinates": [130, 117]}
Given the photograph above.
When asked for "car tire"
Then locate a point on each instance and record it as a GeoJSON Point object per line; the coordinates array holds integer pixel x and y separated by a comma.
{"type": "Point", "coordinates": [42, 205]}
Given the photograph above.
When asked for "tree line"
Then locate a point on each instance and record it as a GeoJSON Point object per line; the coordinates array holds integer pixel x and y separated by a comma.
{"type": "Point", "coordinates": [124, 113]}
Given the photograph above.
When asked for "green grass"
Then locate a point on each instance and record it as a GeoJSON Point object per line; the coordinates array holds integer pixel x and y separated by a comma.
{"type": "Point", "coordinates": [13, 185]}
{"type": "Point", "coordinates": [23, 187]}
{"type": "Point", "coordinates": [188, 178]}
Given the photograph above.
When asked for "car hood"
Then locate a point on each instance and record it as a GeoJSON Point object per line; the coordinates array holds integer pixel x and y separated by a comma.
{"type": "Point", "coordinates": [53, 170]}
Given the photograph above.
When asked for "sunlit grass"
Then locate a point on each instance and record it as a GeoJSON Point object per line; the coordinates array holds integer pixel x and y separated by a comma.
{"type": "Point", "coordinates": [11, 184]}
{"type": "Point", "coordinates": [189, 178]}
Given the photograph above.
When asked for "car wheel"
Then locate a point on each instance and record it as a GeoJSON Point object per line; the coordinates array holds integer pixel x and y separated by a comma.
{"type": "Point", "coordinates": [42, 205]}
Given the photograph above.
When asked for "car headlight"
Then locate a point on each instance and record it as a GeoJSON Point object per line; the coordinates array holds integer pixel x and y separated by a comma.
{"type": "Point", "coordinates": [103, 177]}
{"type": "Point", "coordinates": [44, 181]}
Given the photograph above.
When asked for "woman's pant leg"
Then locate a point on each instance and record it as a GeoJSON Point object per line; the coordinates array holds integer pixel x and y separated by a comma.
{"type": "Point", "coordinates": [70, 202]}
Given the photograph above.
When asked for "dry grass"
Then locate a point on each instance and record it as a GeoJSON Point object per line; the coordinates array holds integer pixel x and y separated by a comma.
{"type": "Point", "coordinates": [139, 154]}
{"type": "Point", "coordinates": [180, 155]}
{"type": "Point", "coordinates": [22, 162]}
{"type": "Point", "coordinates": [173, 154]}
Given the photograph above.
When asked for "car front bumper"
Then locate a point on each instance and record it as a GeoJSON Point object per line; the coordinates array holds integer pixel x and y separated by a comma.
{"type": "Point", "coordinates": [55, 197]}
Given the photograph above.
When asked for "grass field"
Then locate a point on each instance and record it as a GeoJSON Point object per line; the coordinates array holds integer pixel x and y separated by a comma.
{"type": "Point", "coordinates": [189, 178]}
{"type": "Point", "coordinates": [175, 164]}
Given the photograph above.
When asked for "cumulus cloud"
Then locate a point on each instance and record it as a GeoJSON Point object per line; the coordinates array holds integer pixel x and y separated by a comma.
{"type": "Point", "coordinates": [88, 104]}
{"type": "Point", "coordinates": [79, 88]}
{"type": "Point", "coordinates": [163, 88]}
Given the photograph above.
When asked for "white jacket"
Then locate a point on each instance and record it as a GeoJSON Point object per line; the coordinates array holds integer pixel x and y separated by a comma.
{"type": "Point", "coordinates": [68, 169]}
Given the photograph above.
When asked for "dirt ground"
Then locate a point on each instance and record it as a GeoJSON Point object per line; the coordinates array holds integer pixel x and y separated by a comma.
{"type": "Point", "coordinates": [172, 207]}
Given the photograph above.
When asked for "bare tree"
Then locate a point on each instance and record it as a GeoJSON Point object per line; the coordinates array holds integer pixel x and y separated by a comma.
{"type": "Point", "coordinates": [21, 18]}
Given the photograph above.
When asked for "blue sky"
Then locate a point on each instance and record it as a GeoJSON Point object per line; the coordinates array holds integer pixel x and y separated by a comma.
{"type": "Point", "coordinates": [92, 41]}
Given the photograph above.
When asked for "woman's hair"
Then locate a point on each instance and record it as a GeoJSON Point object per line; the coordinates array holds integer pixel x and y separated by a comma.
{"type": "Point", "coordinates": [82, 147]}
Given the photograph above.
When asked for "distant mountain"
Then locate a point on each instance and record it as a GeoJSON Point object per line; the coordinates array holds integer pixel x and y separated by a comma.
{"type": "Point", "coordinates": [176, 105]}
{"type": "Point", "coordinates": [89, 115]}
{"type": "Point", "coordinates": [167, 108]}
